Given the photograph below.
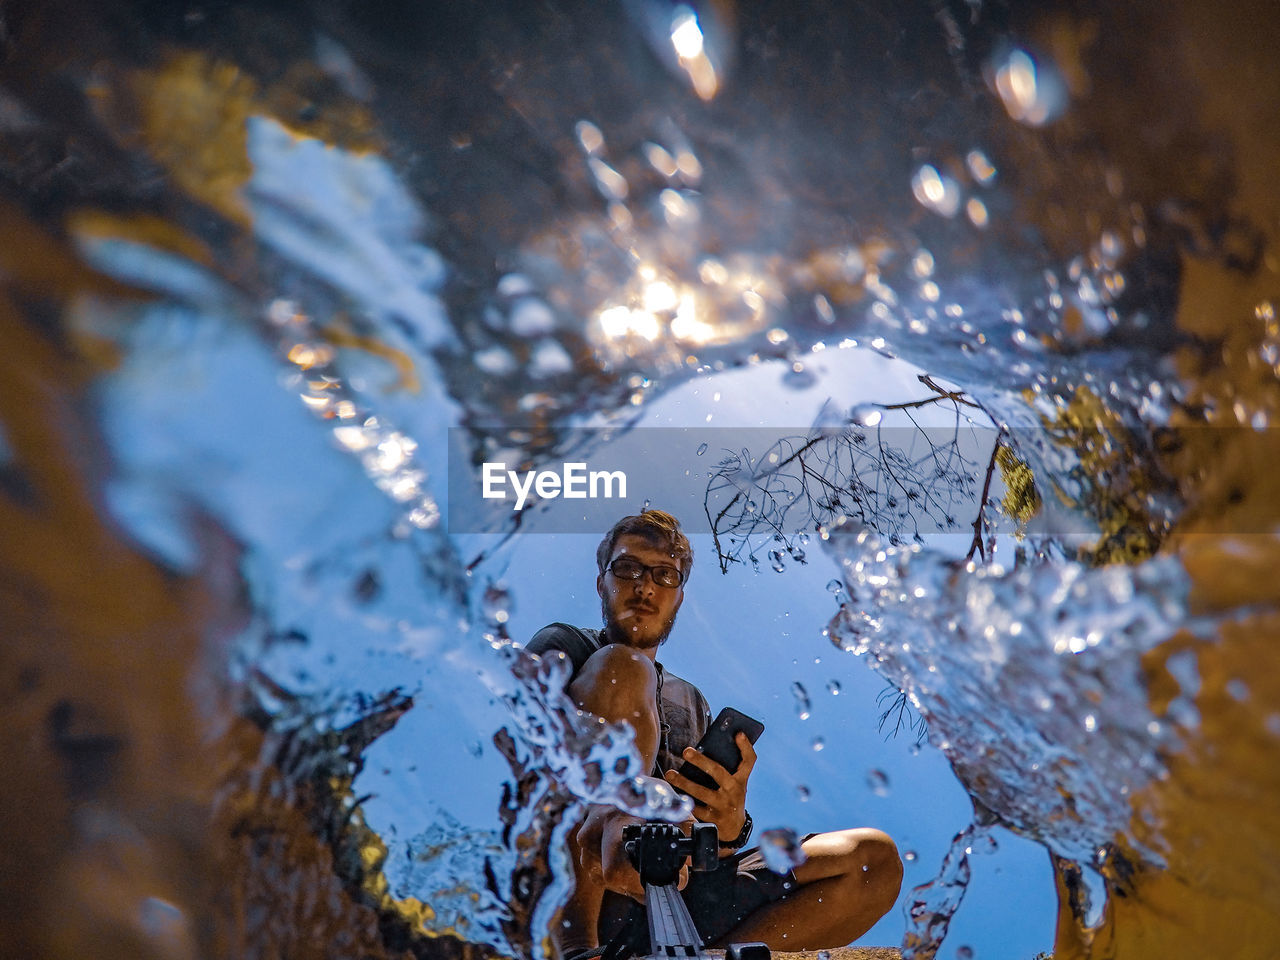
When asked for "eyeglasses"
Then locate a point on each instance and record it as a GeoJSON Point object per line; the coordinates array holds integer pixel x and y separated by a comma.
{"type": "Point", "coordinates": [624, 568]}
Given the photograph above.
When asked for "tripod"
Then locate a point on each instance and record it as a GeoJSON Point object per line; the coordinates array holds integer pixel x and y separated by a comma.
{"type": "Point", "coordinates": [658, 850]}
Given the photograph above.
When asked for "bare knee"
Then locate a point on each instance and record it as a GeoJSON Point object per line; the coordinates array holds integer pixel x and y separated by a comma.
{"type": "Point", "coordinates": [615, 672]}
{"type": "Point", "coordinates": [866, 861]}
{"type": "Point", "coordinates": [620, 685]}
{"type": "Point", "coordinates": [878, 865]}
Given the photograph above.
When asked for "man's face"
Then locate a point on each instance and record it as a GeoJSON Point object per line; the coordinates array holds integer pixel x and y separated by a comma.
{"type": "Point", "coordinates": [638, 613]}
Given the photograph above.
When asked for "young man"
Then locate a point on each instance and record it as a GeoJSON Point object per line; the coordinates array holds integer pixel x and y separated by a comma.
{"type": "Point", "coordinates": [849, 879]}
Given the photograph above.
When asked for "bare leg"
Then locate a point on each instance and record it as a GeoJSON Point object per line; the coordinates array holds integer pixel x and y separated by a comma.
{"type": "Point", "coordinates": [849, 881]}
{"type": "Point", "coordinates": [617, 684]}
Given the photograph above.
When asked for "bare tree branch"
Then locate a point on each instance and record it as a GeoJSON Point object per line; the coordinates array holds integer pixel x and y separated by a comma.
{"type": "Point", "coordinates": [976, 545]}
{"type": "Point", "coordinates": [903, 483]}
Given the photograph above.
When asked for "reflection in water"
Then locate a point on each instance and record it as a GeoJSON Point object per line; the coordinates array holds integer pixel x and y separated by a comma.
{"type": "Point", "coordinates": [518, 219]}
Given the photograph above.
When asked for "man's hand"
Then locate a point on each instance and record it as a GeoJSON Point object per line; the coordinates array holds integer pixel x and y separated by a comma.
{"type": "Point", "coordinates": [725, 806]}
{"type": "Point", "coordinates": [598, 846]}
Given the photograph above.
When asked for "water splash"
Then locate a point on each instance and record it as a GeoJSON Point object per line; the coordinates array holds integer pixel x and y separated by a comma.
{"type": "Point", "coordinates": [1046, 654]}
{"type": "Point", "coordinates": [931, 906]}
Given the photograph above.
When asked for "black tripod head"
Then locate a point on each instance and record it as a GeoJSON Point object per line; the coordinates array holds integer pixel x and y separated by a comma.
{"type": "Point", "coordinates": [658, 850]}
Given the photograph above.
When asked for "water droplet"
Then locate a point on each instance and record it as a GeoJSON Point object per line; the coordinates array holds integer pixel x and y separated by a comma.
{"type": "Point", "coordinates": [496, 603]}
{"type": "Point", "coordinates": [589, 136]}
{"type": "Point", "coordinates": [775, 560]}
{"type": "Point", "coordinates": [515, 285]}
{"type": "Point", "coordinates": [977, 213]}
{"type": "Point", "coordinates": [834, 687]}
{"type": "Point", "coordinates": [1110, 245]}
{"type": "Point", "coordinates": [878, 782]}
{"type": "Point", "coordinates": [702, 448]}
{"type": "Point", "coordinates": [964, 953]}
{"type": "Point", "coordinates": [980, 167]}
{"type": "Point", "coordinates": [611, 184]}
{"type": "Point", "coordinates": [531, 317]}
{"type": "Point", "coordinates": [781, 849]}
{"type": "Point", "coordinates": [652, 798]}
{"type": "Point", "coordinates": [549, 359]}
{"type": "Point", "coordinates": [936, 191]}
{"type": "Point", "coordinates": [982, 843]}
{"type": "Point", "coordinates": [660, 159]}
{"type": "Point", "coordinates": [866, 415]}
{"type": "Point", "coordinates": [802, 792]}
{"type": "Point", "coordinates": [1033, 93]}
{"type": "Point", "coordinates": [798, 377]}
{"type": "Point", "coordinates": [495, 361]}
{"type": "Point", "coordinates": [835, 587]}
{"type": "Point", "coordinates": [802, 700]}
{"type": "Point", "coordinates": [819, 744]}
{"type": "Point", "coordinates": [910, 856]}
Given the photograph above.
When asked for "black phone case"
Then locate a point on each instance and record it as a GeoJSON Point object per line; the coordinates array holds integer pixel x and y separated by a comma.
{"type": "Point", "coordinates": [718, 744]}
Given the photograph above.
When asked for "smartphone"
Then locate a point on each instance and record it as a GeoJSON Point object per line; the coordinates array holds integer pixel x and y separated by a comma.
{"type": "Point", "coordinates": [718, 744]}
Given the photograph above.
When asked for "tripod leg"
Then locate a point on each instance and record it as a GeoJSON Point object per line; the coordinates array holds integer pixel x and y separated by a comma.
{"type": "Point", "coordinates": [671, 929]}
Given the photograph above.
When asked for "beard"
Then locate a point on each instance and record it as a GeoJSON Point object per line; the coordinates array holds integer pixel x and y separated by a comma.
{"type": "Point", "coordinates": [614, 632]}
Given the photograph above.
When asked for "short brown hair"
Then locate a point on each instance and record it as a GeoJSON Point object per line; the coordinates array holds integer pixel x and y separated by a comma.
{"type": "Point", "coordinates": [659, 528]}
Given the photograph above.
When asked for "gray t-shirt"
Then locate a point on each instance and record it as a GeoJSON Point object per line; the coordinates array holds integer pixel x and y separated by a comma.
{"type": "Point", "coordinates": [684, 715]}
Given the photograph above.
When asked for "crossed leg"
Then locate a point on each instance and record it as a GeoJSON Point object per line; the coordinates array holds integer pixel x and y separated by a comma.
{"type": "Point", "coordinates": [849, 880]}
{"type": "Point", "coordinates": [619, 685]}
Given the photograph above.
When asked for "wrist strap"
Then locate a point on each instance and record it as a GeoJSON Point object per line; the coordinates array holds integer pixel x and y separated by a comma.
{"type": "Point", "coordinates": [740, 841]}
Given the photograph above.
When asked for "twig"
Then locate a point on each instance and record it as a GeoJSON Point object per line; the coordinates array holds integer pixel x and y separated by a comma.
{"type": "Point", "coordinates": [976, 545]}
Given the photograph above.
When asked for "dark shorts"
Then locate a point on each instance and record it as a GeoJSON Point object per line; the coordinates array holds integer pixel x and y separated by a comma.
{"type": "Point", "coordinates": [718, 900]}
